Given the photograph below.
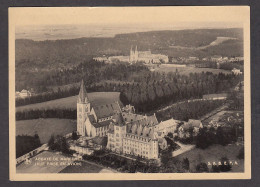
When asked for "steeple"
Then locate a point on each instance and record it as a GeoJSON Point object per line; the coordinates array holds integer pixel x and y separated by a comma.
{"type": "Point", "coordinates": [83, 98]}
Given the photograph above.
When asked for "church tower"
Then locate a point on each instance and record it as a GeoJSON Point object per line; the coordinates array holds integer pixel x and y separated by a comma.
{"type": "Point", "coordinates": [131, 56]}
{"type": "Point", "coordinates": [83, 109]}
{"type": "Point", "coordinates": [136, 54]}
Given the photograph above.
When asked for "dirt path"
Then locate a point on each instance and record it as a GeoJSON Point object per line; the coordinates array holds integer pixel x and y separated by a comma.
{"type": "Point", "coordinates": [184, 148]}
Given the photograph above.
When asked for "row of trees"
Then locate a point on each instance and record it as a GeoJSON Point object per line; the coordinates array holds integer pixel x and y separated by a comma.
{"type": "Point", "coordinates": [189, 110]}
{"type": "Point", "coordinates": [140, 87]}
{"type": "Point", "coordinates": [207, 137]}
{"type": "Point", "coordinates": [26, 143]}
{"type": "Point", "coordinates": [159, 89]}
{"type": "Point", "coordinates": [59, 143]}
{"type": "Point", "coordinates": [223, 166]}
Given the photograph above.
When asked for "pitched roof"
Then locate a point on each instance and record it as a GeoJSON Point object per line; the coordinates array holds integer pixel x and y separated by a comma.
{"type": "Point", "coordinates": [83, 98]}
{"type": "Point", "coordinates": [191, 123]}
{"type": "Point", "coordinates": [106, 110]}
{"type": "Point", "coordinates": [152, 120]}
{"type": "Point", "coordinates": [168, 123]}
{"type": "Point", "coordinates": [194, 122]}
{"type": "Point", "coordinates": [102, 123]}
{"type": "Point", "coordinates": [91, 118]}
{"type": "Point", "coordinates": [119, 121]}
{"type": "Point", "coordinates": [140, 119]}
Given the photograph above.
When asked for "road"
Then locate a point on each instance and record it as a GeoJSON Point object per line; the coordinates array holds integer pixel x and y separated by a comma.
{"type": "Point", "coordinates": [184, 148]}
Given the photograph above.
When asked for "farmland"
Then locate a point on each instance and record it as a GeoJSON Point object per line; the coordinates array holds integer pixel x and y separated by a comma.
{"type": "Point", "coordinates": [213, 154]}
{"type": "Point", "coordinates": [166, 68]}
{"type": "Point", "coordinates": [45, 127]}
{"type": "Point", "coordinates": [96, 98]}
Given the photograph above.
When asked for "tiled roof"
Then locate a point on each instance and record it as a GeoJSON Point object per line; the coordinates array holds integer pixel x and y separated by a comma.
{"type": "Point", "coordinates": [140, 119]}
{"type": "Point", "coordinates": [106, 110]}
{"type": "Point", "coordinates": [119, 121]}
{"type": "Point", "coordinates": [192, 123]}
{"type": "Point", "coordinates": [167, 123]}
{"type": "Point", "coordinates": [152, 120]}
{"type": "Point", "coordinates": [102, 123]}
{"type": "Point", "coordinates": [92, 118]}
{"type": "Point", "coordinates": [140, 130]}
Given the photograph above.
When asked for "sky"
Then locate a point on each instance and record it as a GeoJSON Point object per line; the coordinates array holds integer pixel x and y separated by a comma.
{"type": "Point", "coordinates": [143, 16]}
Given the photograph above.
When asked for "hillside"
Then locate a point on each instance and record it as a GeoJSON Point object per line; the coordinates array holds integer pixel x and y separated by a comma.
{"type": "Point", "coordinates": [42, 64]}
{"type": "Point", "coordinates": [65, 53]}
{"type": "Point", "coordinates": [96, 98]}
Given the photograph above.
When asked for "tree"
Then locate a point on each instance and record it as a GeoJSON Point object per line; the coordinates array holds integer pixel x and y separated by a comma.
{"type": "Point", "coordinates": [225, 165]}
{"type": "Point", "coordinates": [202, 139]}
{"type": "Point", "coordinates": [170, 135]}
{"type": "Point", "coordinates": [51, 142]}
{"type": "Point", "coordinates": [202, 168]}
{"type": "Point", "coordinates": [241, 153]}
{"type": "Point", "coordinates": [74, 135]}
{"type": "Point", "coordinates": [186, 164]}
{"type": "Point", "coordinates": [221, 137]}
{"type": "Point", "coordinates": [59, 143]}
{"type": "Point", "coordinates": [165, 156]}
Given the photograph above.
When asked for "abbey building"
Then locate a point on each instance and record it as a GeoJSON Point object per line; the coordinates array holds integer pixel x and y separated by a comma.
{"type": "Point", "coordinates": [135, 55]}
{"type": "Point", "coordinates": [127, 132]}
{"type": "Point", "coordinates": [147, 57]}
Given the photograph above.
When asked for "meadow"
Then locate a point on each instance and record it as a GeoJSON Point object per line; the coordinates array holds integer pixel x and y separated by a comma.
{"type": "Point", "coordinates": [45, 127]}
{"type": "Point", "coordinates": [96, 98]}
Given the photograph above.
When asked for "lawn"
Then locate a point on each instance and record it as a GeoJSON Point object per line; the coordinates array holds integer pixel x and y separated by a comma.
{"type": "Point", "coordinates": [187, 70]}
{"type": "Point", "coordinates": [96, 98]}
{"type": "Point", "coordinates": [45, 127]}
{"type": "Point", "coordinates": [214, 154]}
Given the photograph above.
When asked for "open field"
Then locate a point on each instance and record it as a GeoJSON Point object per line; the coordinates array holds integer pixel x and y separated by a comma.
{"type": "Point", "coordinates": [45, 127]}
{"type": "Point", "coordinates": [54, 165]}
{"type": "Point", "coordinates": [96, 98]}
{"type": "Point", "coordinates": [218, 41]}
{"type": "Point", "coordinates": [86, 167]}
{"type": "Point", "coordinates": [166, 68]}
{"type": "Point", "coordinates": [213, 154]}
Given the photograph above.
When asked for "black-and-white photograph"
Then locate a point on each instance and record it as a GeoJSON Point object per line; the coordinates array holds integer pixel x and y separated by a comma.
{"type": "Point", "coordinates": [130, 90]}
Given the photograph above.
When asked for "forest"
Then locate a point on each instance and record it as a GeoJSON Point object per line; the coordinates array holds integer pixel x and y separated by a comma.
{"type": "Point", "coordinates": [138, 86]}
{"type": "Point", "coordinates": [37, 59]}
{"type": "Point", "coordinates": [189, 110]}
{"type": "Point", "coordinates": [144, 89]}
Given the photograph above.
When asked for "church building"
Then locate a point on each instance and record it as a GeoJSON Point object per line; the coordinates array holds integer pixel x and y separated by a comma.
{"type": "Point", "coordinates": [127, 132]}
{"type": "Point", "coordinates": [93, 120]}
